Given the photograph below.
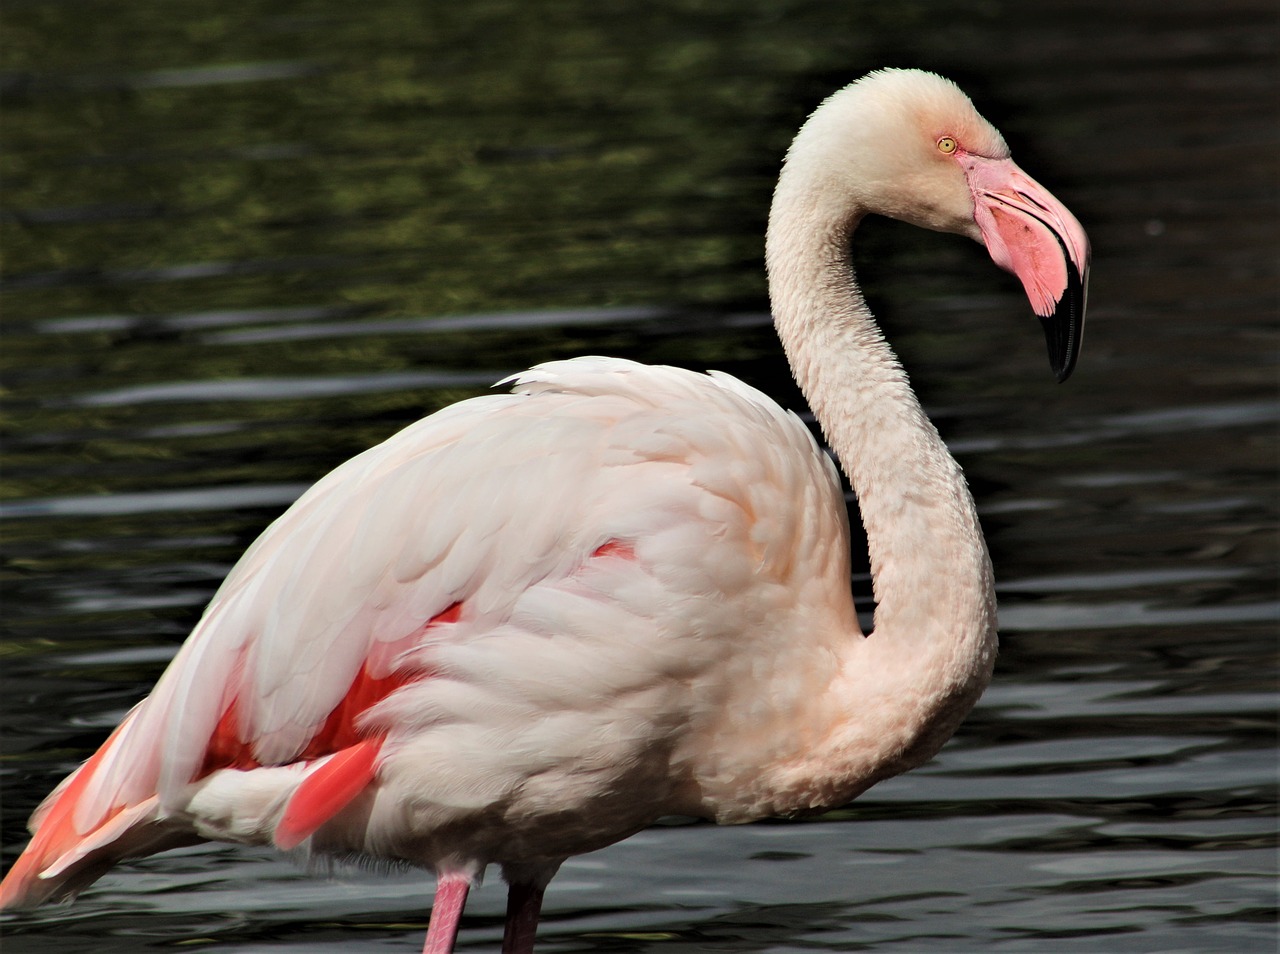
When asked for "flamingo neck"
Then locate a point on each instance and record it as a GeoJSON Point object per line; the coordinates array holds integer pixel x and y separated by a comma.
{"type": "Point", "coordinates": [929, 564]}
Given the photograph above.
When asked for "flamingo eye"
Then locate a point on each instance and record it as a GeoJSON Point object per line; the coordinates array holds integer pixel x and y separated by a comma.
{"type": "Point", "coordinates": [946, 145]}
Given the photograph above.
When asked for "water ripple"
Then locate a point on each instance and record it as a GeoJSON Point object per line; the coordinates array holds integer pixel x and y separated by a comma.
{"type": "Point", "coordinates": [237, 497]}
{"type": "Point", "coordinates": [271, 389]}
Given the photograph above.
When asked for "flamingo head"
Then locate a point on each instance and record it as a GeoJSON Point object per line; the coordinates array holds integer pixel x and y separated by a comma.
{"type": "Point", "coordinates": [910, 145]}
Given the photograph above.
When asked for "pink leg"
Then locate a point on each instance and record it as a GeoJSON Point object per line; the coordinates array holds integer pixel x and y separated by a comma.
{"type": "Point", "coordinates": [446, 913]}
{"type": "Point", "coordinates": [524, 904]}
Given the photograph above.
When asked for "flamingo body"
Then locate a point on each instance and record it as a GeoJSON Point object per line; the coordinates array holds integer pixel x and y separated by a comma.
{"type": "Point", "coordinates": [514, 658]}
{"type": "Point", "coordinates": [529, 625]}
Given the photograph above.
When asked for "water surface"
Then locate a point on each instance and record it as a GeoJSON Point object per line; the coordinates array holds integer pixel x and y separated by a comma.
{"type": "Point", "coordinates": [243, 243]}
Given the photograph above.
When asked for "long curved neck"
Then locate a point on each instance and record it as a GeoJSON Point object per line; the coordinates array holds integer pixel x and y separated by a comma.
{"type": "Point", "coordinates": [929, 563]}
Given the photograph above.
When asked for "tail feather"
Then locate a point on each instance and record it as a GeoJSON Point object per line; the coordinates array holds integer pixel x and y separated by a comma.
{"type": "Point", "coordinates": [284, 804]}
{"type": "Point", "coordinates": [61, 860]}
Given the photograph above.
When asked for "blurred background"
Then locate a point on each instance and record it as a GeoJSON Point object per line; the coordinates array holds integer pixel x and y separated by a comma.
{"type": "Point", "coordinates": [242, 242]}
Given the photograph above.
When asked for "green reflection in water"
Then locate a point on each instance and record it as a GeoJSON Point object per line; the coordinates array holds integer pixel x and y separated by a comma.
{"type": "Point", "coordinates": [418, 158]}
{"type": "Point", "coordinates": [394, 159]}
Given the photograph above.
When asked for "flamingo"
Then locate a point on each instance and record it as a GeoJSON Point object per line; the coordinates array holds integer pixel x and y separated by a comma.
{"type": "Point", "coordinates": [534, 622]}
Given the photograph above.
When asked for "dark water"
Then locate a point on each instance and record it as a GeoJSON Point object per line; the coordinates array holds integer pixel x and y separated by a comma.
{"type": "Point", "coordinates": [244, 241]}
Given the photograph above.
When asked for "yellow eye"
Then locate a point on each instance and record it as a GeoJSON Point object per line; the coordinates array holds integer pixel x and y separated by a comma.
{"type": "Point", "coordinates": [946, 145]}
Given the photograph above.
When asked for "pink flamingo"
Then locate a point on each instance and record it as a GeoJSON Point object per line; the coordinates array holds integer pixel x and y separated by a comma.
{"type": "Point", "coordinates": [529, 625]}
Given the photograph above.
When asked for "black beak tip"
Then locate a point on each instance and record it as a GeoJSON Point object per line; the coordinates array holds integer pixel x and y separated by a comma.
{"type": "Point", "coordinates": [1065, 327]}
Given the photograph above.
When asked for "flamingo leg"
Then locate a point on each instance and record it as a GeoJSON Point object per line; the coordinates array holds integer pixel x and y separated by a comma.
{"type": "Point", "coordinates": [524, 904]}
{"type": "Point", "coordinates": [446, 913]}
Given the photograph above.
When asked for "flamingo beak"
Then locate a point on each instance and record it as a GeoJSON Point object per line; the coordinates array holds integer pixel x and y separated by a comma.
{"type": "Point", "coordinates": [1030, 233]}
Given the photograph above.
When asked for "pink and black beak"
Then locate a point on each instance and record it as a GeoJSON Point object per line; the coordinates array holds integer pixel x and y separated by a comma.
{"type": "Point", "coordinates": [1030, 233]}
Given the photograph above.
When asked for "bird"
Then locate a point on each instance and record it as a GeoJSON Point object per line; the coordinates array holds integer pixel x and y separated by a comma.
{"type": "Point", "coordinates": [531, 624]}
